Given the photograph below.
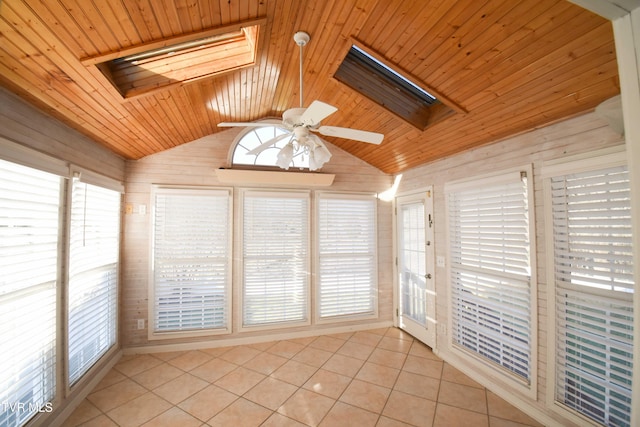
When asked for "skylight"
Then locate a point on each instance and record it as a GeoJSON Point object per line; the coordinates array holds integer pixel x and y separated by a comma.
{"type": "Point", "coordinates": [385, 69]}
{"type": "Point", "coordinates": [142, 69]}
{"type": "Point", "coordinates": [365, 73]}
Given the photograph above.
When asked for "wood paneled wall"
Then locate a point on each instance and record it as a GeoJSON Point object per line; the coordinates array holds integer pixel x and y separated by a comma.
{"type": "Point", "coordinates": [579, 135]}
{"type": "Point", "coordinates": [21, 123]}
{"type": "Point", "coordinates": [194, 164]}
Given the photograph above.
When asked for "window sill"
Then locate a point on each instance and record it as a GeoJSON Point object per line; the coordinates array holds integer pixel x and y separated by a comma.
{"type": "Point", "coordinates": [287, 179]}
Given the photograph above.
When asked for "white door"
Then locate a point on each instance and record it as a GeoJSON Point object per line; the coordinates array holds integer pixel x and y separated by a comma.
{"type": "Point", "coordinates": [415, 261]}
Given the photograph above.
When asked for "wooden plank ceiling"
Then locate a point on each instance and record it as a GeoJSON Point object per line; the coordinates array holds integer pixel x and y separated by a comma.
{"type": "Point", "coordinates": [511, 66]}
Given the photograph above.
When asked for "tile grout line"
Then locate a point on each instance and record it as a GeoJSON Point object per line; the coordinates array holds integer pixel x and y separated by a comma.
{"type": "Point", "coordinates": [404, 362]}
{"type": "Point", "coordinates": [347, 386]}
{"type": "Point", "coordinates": [317, 364]}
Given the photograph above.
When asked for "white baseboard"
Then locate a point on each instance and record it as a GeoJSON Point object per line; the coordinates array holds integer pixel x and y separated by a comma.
{"type": "Point", "coordinates": [254, 339]}
{"type": "Point", "coordinates": [60, 417]}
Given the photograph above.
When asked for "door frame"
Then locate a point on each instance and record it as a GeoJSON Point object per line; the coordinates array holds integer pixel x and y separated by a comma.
{"type": "Point", "coordinates": [425, 194]}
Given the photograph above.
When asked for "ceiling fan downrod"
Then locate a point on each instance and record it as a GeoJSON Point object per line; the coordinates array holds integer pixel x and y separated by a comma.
{"type": "Point", "coordinates": [301, 38]}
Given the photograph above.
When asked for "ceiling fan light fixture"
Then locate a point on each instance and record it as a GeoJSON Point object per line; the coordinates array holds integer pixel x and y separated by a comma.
{"type": "Point", "coordinates": [322, 154]}
{"type": "Point", "coordinates": [301, 122]}
{"type": "Point", "coordinates": [285, 156]}
{"type": "Point", "coordinates": [318, 156]}
{"type": "Point", "coordinates": [313, 165]}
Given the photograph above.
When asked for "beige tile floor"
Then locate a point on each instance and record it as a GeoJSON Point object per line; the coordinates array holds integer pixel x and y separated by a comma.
{"type": "Point", "coordinates": [379, 377]}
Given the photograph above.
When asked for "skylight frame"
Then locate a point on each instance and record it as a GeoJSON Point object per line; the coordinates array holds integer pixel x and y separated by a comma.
{"type": "Point", "coordinates": [372, 76]}
{"type": "Point", "coordinates": [242, 39]}
{"type": "Point", "coordinates": [198, 43]}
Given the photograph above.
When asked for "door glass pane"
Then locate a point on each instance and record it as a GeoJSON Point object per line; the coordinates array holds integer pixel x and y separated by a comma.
{"type": "Point", "coordinates": [412, 265]}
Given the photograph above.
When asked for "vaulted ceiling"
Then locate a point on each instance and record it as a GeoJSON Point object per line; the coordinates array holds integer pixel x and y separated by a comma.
{"type": "Point", "coordinates": [505, 67]}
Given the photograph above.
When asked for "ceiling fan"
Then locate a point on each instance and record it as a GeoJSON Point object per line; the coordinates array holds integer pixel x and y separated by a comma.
{"type": "Point", "coordinates": [302, 123]}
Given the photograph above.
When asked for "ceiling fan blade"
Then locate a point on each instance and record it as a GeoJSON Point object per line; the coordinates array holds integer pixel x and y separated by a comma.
{"type": "Point", "coordinates": [316, 112]}
{"type": "Point", "coordinates": [243, 124]}
{"type": "Point", "coordinates": [260, 148]}
{"type": "Point", "coordinates": [357, 135]}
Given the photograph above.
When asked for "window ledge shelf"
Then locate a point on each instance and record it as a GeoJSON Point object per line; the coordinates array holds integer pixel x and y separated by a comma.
{"type": "Point", "coordinates": [289, 179]}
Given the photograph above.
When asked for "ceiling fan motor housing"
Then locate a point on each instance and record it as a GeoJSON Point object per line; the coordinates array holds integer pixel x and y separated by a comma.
{"type": "Point", "coordinates": [292, 118]}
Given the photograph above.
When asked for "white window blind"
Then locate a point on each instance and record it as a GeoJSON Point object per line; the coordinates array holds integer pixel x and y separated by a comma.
{"type": "Point", "coordinates": [490, 272]}
{"type": "Point", "coordinates": [594, 293]}
{"type": "Point", "coordinates": [93, 275]}
{"type": "Point", "coordinates": [191, 259]}
{"type": "Point", "coordinates": [29, 229]}
{"type": "Point", "coordinates": [275, 257]}
{"type": "Point", "coordinates": [347, 270]}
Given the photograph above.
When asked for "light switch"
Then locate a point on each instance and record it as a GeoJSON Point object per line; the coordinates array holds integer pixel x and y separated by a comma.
{"type": "Point", "coordinates": [440, 261]}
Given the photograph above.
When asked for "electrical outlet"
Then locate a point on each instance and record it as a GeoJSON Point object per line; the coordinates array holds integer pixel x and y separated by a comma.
{"type": "Point", "coordinates": [140, 323]}
{"type": "Point", "coordinates": [142, 209]}
{"type": "Point", "coordinates": [440, 261]}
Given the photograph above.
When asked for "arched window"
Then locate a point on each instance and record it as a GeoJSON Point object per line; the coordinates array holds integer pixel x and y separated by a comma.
{"type": "Point", "coordinates": [253, 138]}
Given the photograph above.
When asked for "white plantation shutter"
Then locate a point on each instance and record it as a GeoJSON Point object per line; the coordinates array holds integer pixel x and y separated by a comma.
{"type": "Point", "coordinates": [594, 293]}
{"type": "Point", "coordinates": [275, 257]}
{"type": "Point", "coordinates": [29, 230]}
{"type": "Point", "coordinates": [191, 259]}
{"type": "Point", "coordinates": [490, 271]}
{"type": "Point", "coordinates": [347, 270]}
{"type": "Point", "coordinates": [93, 275]}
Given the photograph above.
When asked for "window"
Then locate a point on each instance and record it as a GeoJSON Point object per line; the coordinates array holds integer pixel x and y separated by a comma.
{"type": "Point", "coordinates": [490, 278]}
{"type": "Point", "coordinates": [191, 260]}
{"type": "Point", "coordinates": [275, 258]}
{"type": "Point", "coordinates": [593, 278]}
{"type": "Point", "coordinates": [268, 157]}
{"type": "Point", "coordinates": [368, 74]}
{"type": "Point", "coordinates": [347, 264]}
{"type": "Point", "coordinates": [412, 259]}
{"type": "Point", "coordinates": [29, 233]}
{"type": "Point", "coordinates": [93, 275]}
{"type": "Point", "coordinates": [139, 70]}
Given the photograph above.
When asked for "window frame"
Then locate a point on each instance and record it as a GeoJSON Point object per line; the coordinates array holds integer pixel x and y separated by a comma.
{"type": "Point", "coordinates": [240, 269]}
{"type": "Point", "coordinates": [373, 314]}
{"type": "Point", "coordinates": [590, 161]}
{"type": "Point", "coordinates": [301, 161]}
{"type": "Point", "coordinates": [491, 372]}
{"type": "Point", "coordinates": [90, 179]}
{"type": "Point", "coordinates": [154, 335]}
